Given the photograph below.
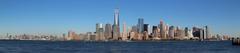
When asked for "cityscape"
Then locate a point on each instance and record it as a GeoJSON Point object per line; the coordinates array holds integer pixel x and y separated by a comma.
{"type": "Point", "coordinates": [119, 26]}
{"type": "Point", "coordinates": [139, 32]}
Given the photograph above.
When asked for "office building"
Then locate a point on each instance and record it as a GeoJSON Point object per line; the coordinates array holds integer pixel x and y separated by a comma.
{"type": "Point", "coordinates": [124, 34]}
{"type": "Point", "coordinates": [146, 27]}
{"type": "Point", "coordinates": [140, 25]}
{"type": "Point", "coordinates": [108, 31]}
{"type": "Point", "coordinates": [171, 32]}
{"type": "Point", "coordinates": [207, 32]}
{"type": "Point", "coordinates": [162, 30]}
{"type": "Point", "coordinates": [99, 32]}
{"type": "Point", "coordinates": [116, 29]}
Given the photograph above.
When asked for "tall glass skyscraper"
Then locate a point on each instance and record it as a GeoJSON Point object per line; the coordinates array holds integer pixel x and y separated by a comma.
{"type": "Point", "coordinates": [116, 30]}
{"type": "Point", "coordinates": [116, 16]}
{"type": "Point", "coordinates": [140, 25]}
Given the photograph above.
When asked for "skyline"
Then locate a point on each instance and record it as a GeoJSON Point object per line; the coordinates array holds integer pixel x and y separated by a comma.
{"type": "Point", "coordinates": [81, 16]}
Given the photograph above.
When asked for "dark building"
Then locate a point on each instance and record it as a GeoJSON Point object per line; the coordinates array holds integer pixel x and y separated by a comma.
{"type": "Point", "coordinates": [145, 27]}
{"type": "Point", "coordinates": [154, 28]}
{"type": "Point", "coordinates": [198, 32]}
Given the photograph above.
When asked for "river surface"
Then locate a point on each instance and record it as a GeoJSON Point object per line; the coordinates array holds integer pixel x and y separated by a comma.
{"type": "Point", "coordinates": [118, 47]}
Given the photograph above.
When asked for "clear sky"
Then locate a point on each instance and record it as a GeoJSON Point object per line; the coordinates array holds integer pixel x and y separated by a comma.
{"type": "Point", "coordinates": [59, 16]}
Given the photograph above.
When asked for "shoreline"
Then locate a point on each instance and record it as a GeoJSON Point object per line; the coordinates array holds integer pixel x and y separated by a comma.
{"type": "Point", "coordinates": [122, 41]}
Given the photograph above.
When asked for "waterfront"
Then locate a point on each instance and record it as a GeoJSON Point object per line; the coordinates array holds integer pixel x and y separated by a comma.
{"type": "Point", "coordinates": [118, 47]}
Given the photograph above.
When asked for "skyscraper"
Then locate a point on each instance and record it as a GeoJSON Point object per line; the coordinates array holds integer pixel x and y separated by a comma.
{"type": "Point", "coordinates": [145, 33]}
{"type": "Point", "coordinates": [108, 31]}
{"type": "Point", "coordinates": [140, 25]}
{"type": "Point", "coordinates": [116, 16]}
{"type": "Point", "coordinates": [167, 31]}
{"type": "Point", "coordinates": [99, 32]}
{"type": "Point", "coordinates": [149, 29]}
{"type": "Point", "coordinates": [133, 33]}
{"type": "Point", "coordinates": [196, 32]}
{"type": "Point", "coordinates": [201, 34]}
{"type": "Point", "coordinates": [124, 33]}
{"type": "Point", "coordinates": [155, 32]}
{"type": "Point", "coordinates": [190, 34]}
{"type": "Point", "coordinates": [116, 30]}
{"type": "Point", "coordinates": [171, 32]}
{"type": "Point", "coordinates": [186, 31]}
{"type": "Point", "coordinates": [145, 27]}
{"type": "Point", "coordinates": [207, 32]}
{"type": "Point", "coordinates": [162, 30]}
{"type": "Point", "coordinates": [72, 35]}
{"type": "Point", "coordinates": [154, 28]}
{"type": "Point", "coordinates": [88, 36]}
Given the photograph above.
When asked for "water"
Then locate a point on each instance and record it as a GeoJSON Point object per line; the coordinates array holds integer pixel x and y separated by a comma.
{"type": "Point", "coordinates": [117, 47]}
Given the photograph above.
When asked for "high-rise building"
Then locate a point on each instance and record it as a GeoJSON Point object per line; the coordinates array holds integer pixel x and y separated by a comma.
{"type": "Point", "coordinates": [149, 29]}
{"type": "Point", "coordinates": [145, 35]}
{"type": "Point", "coordinates": [116, 17]}
{"type": "Point", "coordinates": [177, 35]}
{"type": "Point", "coordinates": [93, 37]}
{"type": "Point", "coordinates": [108, 31]}
{"type": "Point", "coordinates": [134, 28]}
{"type": "Point", "coordinates": [124, 34]}
{"type": "Point", "coordinates": [162, 30]}
{"type": "Point", "coordinates": [186, 31]}
{"type": "Point", "coordinates": [155, 32]}
{"type": "Point", "coordinates": [190, 34]}
{"type": "Point", "coordinates": [64, 37]}
{"type": "Point", "coordinates": [88, 36]}
{"type": "Point", "coordinates": [134, 33]}
{"type": "Point", "coordinates": [207, 32]}
{"type": "Point", "coordinates": [99, 32]}
{"type": "Point", "coordinates": [140, 25]}
{"type": "Point", "coordinates": [145, 27]}
{"type": "Point", "coordinates": [154, 28]}
{"type": "Point", "coordinates": [72, 36]}
{"type": "Point", "coordinates": [196, 32]}
{"type": "Point", "coordinates": [201, 34]}
{"type": "Point", "coordinates": [116, 29]}
{"type": "Point", "coordinates": [146, 32]}
{"type": "Point", "coordinates": [180, 33]}
{"type": "Point", "coordinates": [171, 32]}
{"type": "Point", "coordinates": [167, 31]}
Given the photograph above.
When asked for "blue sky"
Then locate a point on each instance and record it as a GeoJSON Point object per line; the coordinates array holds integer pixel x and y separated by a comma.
{"type": "Point", "coordinates": [59, 16]}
